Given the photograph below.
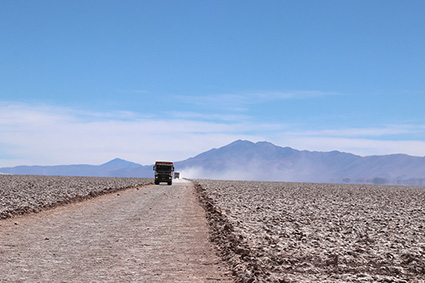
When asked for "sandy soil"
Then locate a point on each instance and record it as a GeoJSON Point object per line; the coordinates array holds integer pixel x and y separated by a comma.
{"type": "Point", "coordinates": [299, 232]}
{"type": "Point", "coordinates": [148, 234]}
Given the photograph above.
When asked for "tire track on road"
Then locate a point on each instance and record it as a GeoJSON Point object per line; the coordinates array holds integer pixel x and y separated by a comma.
{"type": "Point", "coordinates": [151, 234]}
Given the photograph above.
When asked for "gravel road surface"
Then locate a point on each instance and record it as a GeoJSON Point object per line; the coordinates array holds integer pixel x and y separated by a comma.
{"type": "Point", "coordinates": [145, 234]}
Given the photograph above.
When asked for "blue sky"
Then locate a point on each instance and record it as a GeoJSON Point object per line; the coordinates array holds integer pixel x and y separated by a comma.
{"type": "Point", "coordinates": [88, 81]}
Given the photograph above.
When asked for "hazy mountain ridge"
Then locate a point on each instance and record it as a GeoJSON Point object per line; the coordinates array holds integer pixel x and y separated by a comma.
{"type": "Point", "coordinates": [114, 168]}
{"type": "Point", "coordinates": [265, 161]}
{"type": "Point", "coordinates": [261, 161]}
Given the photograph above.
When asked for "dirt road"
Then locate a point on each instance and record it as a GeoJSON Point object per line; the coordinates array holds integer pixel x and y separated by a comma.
{"type": "Point", "coordinates": [149, 234]}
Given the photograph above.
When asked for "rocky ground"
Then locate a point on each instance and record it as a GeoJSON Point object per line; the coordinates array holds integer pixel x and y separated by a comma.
{"type": "Point", "coordinates": [277, 232]}
{"type": "Point", "coordinates": [21, 194]}
{"type": "Point", "coordinates": [300, 232]}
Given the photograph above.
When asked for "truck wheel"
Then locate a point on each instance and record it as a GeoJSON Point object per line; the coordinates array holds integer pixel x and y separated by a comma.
{"type": "Point", "coordinates": [169, 183]}
{"type": "Point", "coordinates": [156, 182]}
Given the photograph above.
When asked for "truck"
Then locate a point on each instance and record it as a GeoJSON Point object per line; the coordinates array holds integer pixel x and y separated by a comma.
{"type": "Point", "coordinates": [163, 172]}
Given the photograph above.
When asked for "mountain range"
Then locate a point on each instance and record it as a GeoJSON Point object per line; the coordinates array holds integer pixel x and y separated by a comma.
{"type": "Point", "coordinates": [262, 161]}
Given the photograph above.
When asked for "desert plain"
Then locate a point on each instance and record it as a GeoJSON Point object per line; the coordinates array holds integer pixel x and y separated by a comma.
{"type": "Point", "coordinates": [305, 232]}
{"type": "Point", "coordinates": [20, 194]}
{"type": "Point", "coordinates": [276, 231]}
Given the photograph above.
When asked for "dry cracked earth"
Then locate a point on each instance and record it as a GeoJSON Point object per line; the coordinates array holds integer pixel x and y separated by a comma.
{"type": "Point", "coordinates": [241, 232]}
{"type": "Point", "coordinates": [300, 232]}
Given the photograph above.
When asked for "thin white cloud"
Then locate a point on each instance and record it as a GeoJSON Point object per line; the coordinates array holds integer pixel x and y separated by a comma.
{"type": "Point", "coordinates": [285, 95]}
{"type": "Point", "coordinates": [210, 116]}
{"type": "Point", "coordinates": [226, 102]}
{"type": "Point", "coordinates": [43, 135]}
{"type": "Point", "coordinates": [363, 147]}
{"type": "Point", "coordinates": [387, 130]}
{"type": "Point", "coordinates": [47, 135]}
{"type": "Point", "coordinates": [239, 102]}
{"type": "Point", "coordinates": [389, 139]}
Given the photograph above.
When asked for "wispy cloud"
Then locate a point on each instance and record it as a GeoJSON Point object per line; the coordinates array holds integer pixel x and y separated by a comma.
{"type": "Point", "coordinates": [242, 101]}
{"type": "Point", "coordinates": [388, 139]}
{"type": "Point", "coordinates": [357, 146]}
{"type": "Point", "coordinates": [46, 134]}
{"type": "Point", "coordinates": [210, 116]}
{"type": "Point", "coordinates": [51, 135]}
{"type": "Point", "coordinates": [284, 95]}
{"type": "Point", "coordinates": [384, 131]}
{"type": "Point", "coordinates": [227, 102]}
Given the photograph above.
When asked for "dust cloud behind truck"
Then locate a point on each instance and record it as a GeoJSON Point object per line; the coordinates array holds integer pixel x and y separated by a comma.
{"type": "Point", "coordinates": [163, 172]}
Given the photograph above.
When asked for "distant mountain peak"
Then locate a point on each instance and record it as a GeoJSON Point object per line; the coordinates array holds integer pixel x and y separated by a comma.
{"type": "Point", "coordinates": [250, 143]}
{"type": "Point", "coordinates": [244, 145]}
{"type": "Point", "coordinates": [240, 142]}
{"type": "Point", "coordinates": [246, 160]}
{"type": "Point", "coordinates": [261, 161]}
{"type": "Point", "coordinates": [118, 162]}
